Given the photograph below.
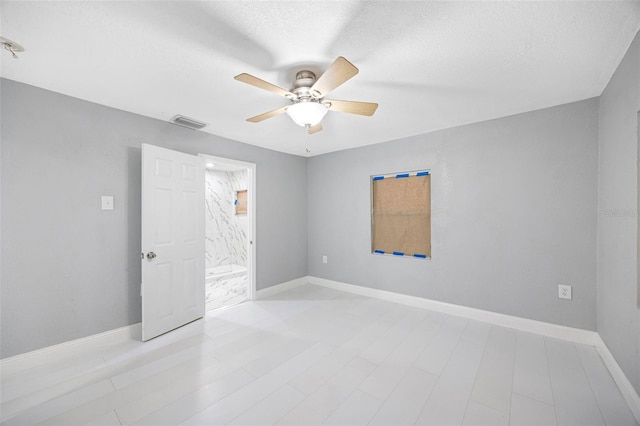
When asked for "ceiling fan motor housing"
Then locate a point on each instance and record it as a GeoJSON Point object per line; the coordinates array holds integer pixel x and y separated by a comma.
{"type": "Point", "coordinates": [302, 86]}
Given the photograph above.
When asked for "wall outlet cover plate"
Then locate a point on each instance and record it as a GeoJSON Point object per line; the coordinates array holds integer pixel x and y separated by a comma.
{"type": "Point", "coordinates": [564, 292]}
{"type": "Point", "coordinates": [107, 202]}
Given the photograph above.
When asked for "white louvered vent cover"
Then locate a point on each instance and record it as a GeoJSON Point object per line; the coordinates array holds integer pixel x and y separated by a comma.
{"type": "Point", "coordinates": [181, 120]}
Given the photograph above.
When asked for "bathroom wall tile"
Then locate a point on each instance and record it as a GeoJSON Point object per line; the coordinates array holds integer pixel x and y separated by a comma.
{"type": "Point", "coordinates": [226, 232]}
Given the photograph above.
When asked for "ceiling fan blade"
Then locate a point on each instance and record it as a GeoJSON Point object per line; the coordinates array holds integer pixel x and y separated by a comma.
{"type": "Point", "coordinates": [265, 85]}
{"type": "Point", "coordinates": [339, 71]}
{"type": "Point", "coordinates": [352, 107]}
{"type": "Point", "coordinates": [264, 116]}
{"type": "Point", "coordinates": [314, 129]}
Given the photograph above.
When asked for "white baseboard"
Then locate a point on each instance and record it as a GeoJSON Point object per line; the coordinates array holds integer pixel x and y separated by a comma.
{"type": "Point", "coordinates": [127, 333]}
{"type": "Point", "coordinates": [279, 288]}
{"type": "Point", "coordinates": [70, 348]}
{"type": "Point", "coordinates": [523, 324]}
{"type": "Point", "coordinates": [626, 388]}
{"type": "Point", "coordinates": [575, 335]}
{"type": "Point", "coordinates": [108, 338]}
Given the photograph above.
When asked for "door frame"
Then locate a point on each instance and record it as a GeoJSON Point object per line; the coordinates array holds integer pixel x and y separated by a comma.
{"type": "Point", "coordinates": [251, 213]}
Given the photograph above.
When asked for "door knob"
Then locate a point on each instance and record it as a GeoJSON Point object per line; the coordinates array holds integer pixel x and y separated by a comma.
{"type": "Point", "coordinates": [151, 255]}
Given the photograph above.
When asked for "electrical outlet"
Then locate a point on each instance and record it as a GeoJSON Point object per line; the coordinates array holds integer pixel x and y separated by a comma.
{"type": "Point", "coordinates": [107, 202]}
{"type": "Point", "coordinates": [324, 259]}
{"type": "Point", "coordinates": [564, 292]}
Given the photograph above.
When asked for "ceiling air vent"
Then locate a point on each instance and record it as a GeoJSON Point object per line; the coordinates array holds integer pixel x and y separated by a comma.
{"type": "Point", "coordinates": [181, 120]}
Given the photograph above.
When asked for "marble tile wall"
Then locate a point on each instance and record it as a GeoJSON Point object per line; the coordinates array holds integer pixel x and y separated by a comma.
{"type": "Point", "coordinates": [226, 232]}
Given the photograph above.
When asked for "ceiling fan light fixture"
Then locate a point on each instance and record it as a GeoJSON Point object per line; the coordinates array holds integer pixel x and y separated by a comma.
{"type": "Point", "coordinates": [307, 114]}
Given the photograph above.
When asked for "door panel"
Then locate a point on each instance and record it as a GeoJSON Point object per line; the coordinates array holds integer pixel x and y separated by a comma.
{"type": "Point", "coordinates": [173, 231]}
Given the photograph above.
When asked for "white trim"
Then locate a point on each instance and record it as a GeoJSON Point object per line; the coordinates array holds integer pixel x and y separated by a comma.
{"type": "Point", "coordinates": [532, 326]}
{"type": "Point", "coordinates": [626, 388]}
{"type": "Point", "coordinates": [279, 288]}
{"type": "Point", "coordinates": [108, 338]}
{"type": "Point", "coordinates": [132, 332]}
{"type": "Point", "coordinates": [575, 335]}
{"type": "Point", "coordinates": [77, 346]}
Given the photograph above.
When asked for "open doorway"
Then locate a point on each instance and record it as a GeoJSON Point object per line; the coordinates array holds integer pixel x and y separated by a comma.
{"type": "Point", "coordinates": [229, 232]}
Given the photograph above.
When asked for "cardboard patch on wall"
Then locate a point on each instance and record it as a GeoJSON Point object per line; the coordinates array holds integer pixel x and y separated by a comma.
{"type": "Point", "coordinates": [401, 215]}
{"type": "Point", "coordinates": [241, 202]}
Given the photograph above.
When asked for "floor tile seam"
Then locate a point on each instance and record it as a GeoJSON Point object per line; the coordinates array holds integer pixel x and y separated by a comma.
{"type": "Point", "coordinates": [584, 370]}
{"type": "Point", "coordinates": [105, 410]}
{"type": "Point", "coordinates": [292, 408]}
{"type": "Point", "coordinates": [52, 385]}
{"type": "Point", "coordinates": [249, 373]}
{"type": "Point", "coordinates": [200, 387]}
{"type": "Point", "coordinates": [353, 356]}
{"type": "Point", "coordinates": [54, 357]}
{"type": "Point", "coordinates": [308, 344]}
{"type": "Point", "coordinates": [512, 370]}
{"type": "Point", "coordinates": [221, 350]}
{"type": "Point", "coordinates": [520, 394]}
{"type": "Point", "coordinates": [513, 374]}
{"type": "Point", "coordinates": [408, 335]}
{"type": "Point", "coordinates": [34, 374]}
{"type": "Point", "coordinates": [356, 388]}
{"type": "Point", "coordinates": [435, 385]}
{"type": "Point", "coordinates": [267, 395]}
{"type": "Point", "coordinates": [383, 402]}
{"type": "Point", "coordinates": [125, 364]}
{"type": "Point", "coordinates": [179, 363]}
{"type": "Point", "coordinates": [402, 340]}
{"type": "Point", "coordinates": [553, 396]}
{"type": "Point", "coordinates": [253, 355]}
{"type": "Point", "coordinates": [97, 377]}
{"type": "Point", "coordinates": [475, 379]}
{"type": "Point", "coordinates": [428, 345]}
{"type": "Point", "coordinates": [189, 394]}
{"type": "Point", "coordinates": [406, 366]}
{"type": "Point", "coordinates": [15, 379]}
{"type": "Point", "coordinates": [25, 411]}
{"type": "Point", "coordinates": [533, 371]}
{"type": "Point", "coordinates": [117, 417]}
{"type": "Point", "coordinates": [286, 383]}
{"type": "Point", "coordinates": [508, 414]}
{"type": "Point", "coordinates": [458, 339]}
{"type": "Point", "coordinates": [423, 347]}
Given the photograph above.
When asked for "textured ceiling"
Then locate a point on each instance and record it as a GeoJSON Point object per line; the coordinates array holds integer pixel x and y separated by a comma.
{"type": "Point", "coordinates": [429, 65]}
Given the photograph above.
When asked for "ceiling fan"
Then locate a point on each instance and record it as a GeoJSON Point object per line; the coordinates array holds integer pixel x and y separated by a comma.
{"type": "Point", "coordinates": [308, 103]}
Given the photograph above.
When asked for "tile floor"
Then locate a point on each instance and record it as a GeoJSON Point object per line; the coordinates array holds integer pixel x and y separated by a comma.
{"type": "Point", "coordinates": [226, 291]}
{"type": "Point", "coordinates": [313, 356]}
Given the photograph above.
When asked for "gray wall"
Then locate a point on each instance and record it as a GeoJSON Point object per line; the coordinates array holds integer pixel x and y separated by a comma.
{"type": "Point", "coordinates": [513, 215]}
{"type": "Point", "coordinates": [71, 270]}
{"type": "Point", "coordinates": [618, 313]}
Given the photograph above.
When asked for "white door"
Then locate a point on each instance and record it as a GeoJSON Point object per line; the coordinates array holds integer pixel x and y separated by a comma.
{"type": "Point", "coordinates": [172, 240]}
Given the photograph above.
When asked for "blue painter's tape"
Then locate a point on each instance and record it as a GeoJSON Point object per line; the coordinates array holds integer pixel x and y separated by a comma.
{"type": "Point", "coordinates": [422, 174]}
{"type": "Point", "coordinates": [402, 175]}
{"type": "Point", "coordinates": [421, 256]}
{"type": "Point", "coordinates": [378, 177]}
{"type": "Point", "coordinates": [398, 253]}
{"type": "Point", "coordinates": [379, 251]}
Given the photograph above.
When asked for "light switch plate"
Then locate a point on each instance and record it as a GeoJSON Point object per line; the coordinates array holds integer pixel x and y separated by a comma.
{"type": "Point", "coordinates": [107, 202]}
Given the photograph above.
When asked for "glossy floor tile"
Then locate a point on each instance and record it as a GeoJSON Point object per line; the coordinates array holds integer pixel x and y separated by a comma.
{"type": "Point", "coordinates": [313, 356]}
